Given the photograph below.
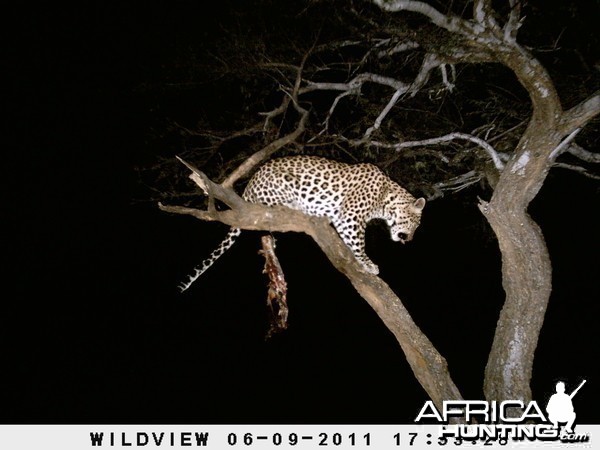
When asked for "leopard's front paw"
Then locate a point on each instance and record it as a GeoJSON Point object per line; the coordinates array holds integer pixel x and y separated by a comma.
{"type": "Point", "coordinates": [370, 267]}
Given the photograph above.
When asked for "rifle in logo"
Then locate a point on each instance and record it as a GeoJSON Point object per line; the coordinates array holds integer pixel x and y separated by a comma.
{"type": "Point", "coordinates": [572, 394]}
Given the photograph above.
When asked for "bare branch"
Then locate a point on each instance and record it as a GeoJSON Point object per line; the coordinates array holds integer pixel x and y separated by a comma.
{"type": "Point", "coordinates": [399, 48]}
{"type": "Point", "coordinates": [450, 23]}
{"type": "Point", "coordinates": [197, 213]}
{"type": "Point", "coordinates": [563, 145]}
{"type": "Point", "coordinates": [332, 109]}
{"type": "Point", "coordinates": [481, 10]}
{"type": "Point", "coordinates": [514, 22]}
{"type": "Point", "coordinates": [455, 184]}
{"type": "Point", "coordinates": [197, 176]}
{"type": "Point", "coordinates": [449, 84]}
{"type": "Point", "coordinates": [583, 154]}
{"type": "Point", "coordinates": [354, 84]}
{"type": "Point", "coordinates": [265, 152]}
{"type": "Point", "coordinates": [211, 189]}
{"type": "Point", "coordinates": [270, 115]}
{"type": "Point", "coordinates": [430, 61]}
{"type": "Point", "coordinates": [582, 113]}
{"type": "Point", "coordinates": [352, 87]}
{"type": "Point", "coordinates": [483, 14]}
{"type": "Point", "coordinates": [337, 45]}
{"type": "Point", "coordinates": [581, 170]}
{"type": "Point", "coordinates": [440, 140]}
{"type": "Point", "coordinates": [505, 132]}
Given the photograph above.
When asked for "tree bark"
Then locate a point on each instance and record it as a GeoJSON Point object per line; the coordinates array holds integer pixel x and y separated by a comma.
{"type": "Point", "coordinates": [526, 278]}
{"type": "Point", "coordinates": [526, 266]}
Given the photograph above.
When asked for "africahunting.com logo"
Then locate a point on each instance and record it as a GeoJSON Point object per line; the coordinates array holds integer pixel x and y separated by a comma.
{"type": "Point", "coordinates": [507, 420]}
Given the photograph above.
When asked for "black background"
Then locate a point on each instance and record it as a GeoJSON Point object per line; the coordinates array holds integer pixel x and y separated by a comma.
{"type": "Point", "coordinates": [95, 331]}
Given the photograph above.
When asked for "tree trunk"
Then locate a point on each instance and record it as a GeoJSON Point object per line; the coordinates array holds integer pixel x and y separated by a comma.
{"type": "Point", "coordinates": [526, 267]}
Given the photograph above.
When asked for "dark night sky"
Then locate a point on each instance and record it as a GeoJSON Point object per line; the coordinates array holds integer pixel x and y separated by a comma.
{"type": "Point", "coordinates": [95, 331]}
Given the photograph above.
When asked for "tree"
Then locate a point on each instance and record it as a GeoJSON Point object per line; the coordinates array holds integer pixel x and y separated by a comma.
{"type": "Point", "coordinates": [399, 33]}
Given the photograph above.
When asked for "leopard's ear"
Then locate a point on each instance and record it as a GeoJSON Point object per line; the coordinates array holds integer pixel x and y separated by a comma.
{"type": "Point", "coordinates": [419, 204]}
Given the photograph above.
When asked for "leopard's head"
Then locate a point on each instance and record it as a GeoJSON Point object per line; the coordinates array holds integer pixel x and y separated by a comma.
{"type": "Point", "coordinates": [404, 217]}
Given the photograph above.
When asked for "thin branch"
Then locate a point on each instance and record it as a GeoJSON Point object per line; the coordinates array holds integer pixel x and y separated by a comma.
{"type": "Point", "coordinates": [399, 48]}
{"type": "Point", "coordinates": [514, 22]}
{"type": "Point", "coordinates": [455, 184]}
{"type": "Point", "coordinates": [268, 150]}
{"type": "Point", "coordinates": [352, 87]}
{"type": "Point", "coordinates": [483, 13]}
{"type": "Point", "coordinates": [265, 152]}
{"type": "Point", "coordinates": [448, 84]}
{"type": "Point", "coordinates": [583, 154]}
{"type": "Point", "coordinates": [270, 115]}
{"type": "Point", "coordinates": [581, 170]}
{"type": "Point", "coordinates": [354, 84]}
{"type": "Point", "coordinates": [493, 154]}
{"type": "Point", "coordinates": [563, 145]}
{"type": "Point", "coordinates": [448, 22]}
{"type": "Point", "coordinates": [337, 45]}
{"type": "Point", "coordinates": [368, 53]}
{"type": "Point", "coordinates": [330, 112]}
{"type": "Point", "coordinates": [214, 136]}
{"type": "Point", "coordinates": [481, 10]}
{"type": "Point", "coordinates": [430, 61]}
{"type": "Point", "coordinates": [505, 132]}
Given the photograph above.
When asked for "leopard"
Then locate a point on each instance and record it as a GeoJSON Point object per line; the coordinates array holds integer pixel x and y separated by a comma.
{"type": "Point", "coordinates": [349, 195]}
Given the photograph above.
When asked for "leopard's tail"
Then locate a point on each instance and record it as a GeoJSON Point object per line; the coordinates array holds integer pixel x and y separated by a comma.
{"type": "Point", "coordinates": [201, 268]}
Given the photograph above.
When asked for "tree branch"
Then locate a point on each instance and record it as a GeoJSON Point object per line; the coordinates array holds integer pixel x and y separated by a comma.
{"type": "Point", "coordinates": [270, 115]}
{"type": "Point", "coordinates": [265, 152]}
{"type": "Point", "coordinates": [581, 170]}
{"type": "Point", "coordinates": [514, 22]}
{"type": "Point", "coordinates": [450, 23]}
{"type": "Point", "coordinates": [399, 48]}
{"type": "Point", "coordinates": [430, 61]}
{"type": "Point", "coordinates": [429, 367]}
{"type": "Point", "coordinates": [455, 184]}
{"type": "Point", "coordinates": [352, 87]}
{"type": "Point", "coordinates": [583, 154]}
{"type": "Point", "coordinates": [354, 84]}
{"type": "Point", "coordinates": [564, 145]}
{"type": "Point", "coordinates": [582, 113]}
{"type": "Point", "coordinates": [483, 14]}
{"type": "Point", "coordinates": [439, 140]}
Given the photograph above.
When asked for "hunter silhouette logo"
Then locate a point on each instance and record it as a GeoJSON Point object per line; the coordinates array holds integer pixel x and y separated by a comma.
{"type": "Point", "coordinates": [560, 407]}
{"type": "Point", "coordinates": [501, 421]}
